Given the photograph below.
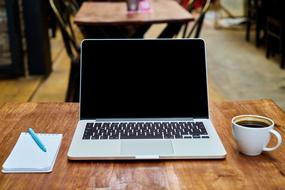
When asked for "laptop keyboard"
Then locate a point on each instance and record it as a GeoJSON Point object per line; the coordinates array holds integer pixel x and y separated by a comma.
{"type": "Point", "coordinates": [145, 130]}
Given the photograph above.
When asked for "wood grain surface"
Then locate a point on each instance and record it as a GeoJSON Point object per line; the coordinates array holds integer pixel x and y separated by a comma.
{"type": "Point", "coordinates": [115, 13]}
{"type": "Point", "coordinates": [237, 171]}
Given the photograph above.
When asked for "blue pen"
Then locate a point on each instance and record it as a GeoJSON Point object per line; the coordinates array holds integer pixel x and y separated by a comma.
{"type": "Point", "coordinates": [36, 139]}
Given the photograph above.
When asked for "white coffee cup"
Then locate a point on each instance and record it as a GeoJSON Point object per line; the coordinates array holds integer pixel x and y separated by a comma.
{"type": "Point", "coordinates": [252, 134]}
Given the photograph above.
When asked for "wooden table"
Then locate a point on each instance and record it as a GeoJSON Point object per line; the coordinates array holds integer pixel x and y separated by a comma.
{"type": "Point", "coordinates": [97, 15]}
{"type": "Point", "coordinates": [237, 171]}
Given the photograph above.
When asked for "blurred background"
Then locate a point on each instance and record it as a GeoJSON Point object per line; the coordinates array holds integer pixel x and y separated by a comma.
{"type": "Point", "coordinates": [39, 45]}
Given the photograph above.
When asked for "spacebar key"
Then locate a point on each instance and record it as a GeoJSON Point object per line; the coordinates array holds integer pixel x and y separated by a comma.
{"type": "Point", "coordinates": [141, 137]}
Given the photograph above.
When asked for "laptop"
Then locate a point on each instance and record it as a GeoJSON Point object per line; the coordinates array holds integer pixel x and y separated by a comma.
{"type": "Point", "coordinates": [144, 99]}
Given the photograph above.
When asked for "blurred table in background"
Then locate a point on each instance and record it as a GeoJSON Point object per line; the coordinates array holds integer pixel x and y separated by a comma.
{"type": "Point", "coordinates": [111, 19]}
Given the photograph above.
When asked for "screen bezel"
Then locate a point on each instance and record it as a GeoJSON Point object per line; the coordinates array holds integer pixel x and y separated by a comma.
{"type": "Point", "coordinates": [201, 45]}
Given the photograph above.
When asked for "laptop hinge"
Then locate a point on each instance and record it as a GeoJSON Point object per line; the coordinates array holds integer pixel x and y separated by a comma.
{"type": "Point", "coordinates": [145, 157]}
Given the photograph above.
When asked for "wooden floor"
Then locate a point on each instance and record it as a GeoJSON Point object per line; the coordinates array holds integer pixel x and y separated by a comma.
{"type": "Point", "coordinates": [38, 88]}
{"type": "Point", "coordinates": [53, 88]}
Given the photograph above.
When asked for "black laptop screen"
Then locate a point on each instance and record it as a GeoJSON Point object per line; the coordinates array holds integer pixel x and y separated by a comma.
{"type": "Point", "coordinates": [143, 79]}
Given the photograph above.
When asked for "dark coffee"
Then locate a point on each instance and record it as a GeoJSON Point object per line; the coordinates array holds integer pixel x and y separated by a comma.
{"type": "Point", "coordinates": [253, 124]}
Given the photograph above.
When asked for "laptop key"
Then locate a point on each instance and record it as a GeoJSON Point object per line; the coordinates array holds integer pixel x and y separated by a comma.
{"type": "Point", "coordinates": [98, 124]}
{"type": "Point", "coordinates": [86, 137]}
{"type": "Point", "coordinates": [95, 137]}
{"type": "Point", "coordinates": [114, 137]}
{"type": "Point", "coordinates": [177, 136]}
{"type": "Point", "coordinates": [104, 137]}
{"type": "Point", "coordinates": [88, 125]}
{"type": "Point", "coordinates": [168, 136]}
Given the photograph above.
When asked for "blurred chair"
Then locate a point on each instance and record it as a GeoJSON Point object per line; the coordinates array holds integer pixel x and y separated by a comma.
{"type": "Point", "coordinates": [64, 10]}
{"type": "Point", "coordinates": [255, 14]}
{"type": "Point", "coordinates": [275, 30]}
{"type": "Point", "coordinates": [196, 27]}
{"type": "Point", "coordinates": [274, 36]}
{"type": "Point", "coordinates": [52, 24]}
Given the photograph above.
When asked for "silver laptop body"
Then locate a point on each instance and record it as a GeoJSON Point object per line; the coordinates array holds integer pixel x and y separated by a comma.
{"type": "Point", "coordinates": [144, 99]}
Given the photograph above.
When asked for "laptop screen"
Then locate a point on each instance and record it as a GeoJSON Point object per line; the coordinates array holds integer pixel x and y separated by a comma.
{"type": "Point", "coordinates": [143, 79]}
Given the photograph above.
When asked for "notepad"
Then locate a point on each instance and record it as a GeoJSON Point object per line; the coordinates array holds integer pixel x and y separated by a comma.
{"type": "Point", "coordinates": [27, 157]}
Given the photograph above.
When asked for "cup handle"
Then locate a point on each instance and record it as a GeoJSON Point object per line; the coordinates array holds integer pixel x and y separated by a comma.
{"type": "Point", "coordinates": [279, 140]}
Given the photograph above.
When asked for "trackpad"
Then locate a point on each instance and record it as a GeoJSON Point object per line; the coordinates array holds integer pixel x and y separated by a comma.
{"type": "Point", "coordinates": [146, 147]}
